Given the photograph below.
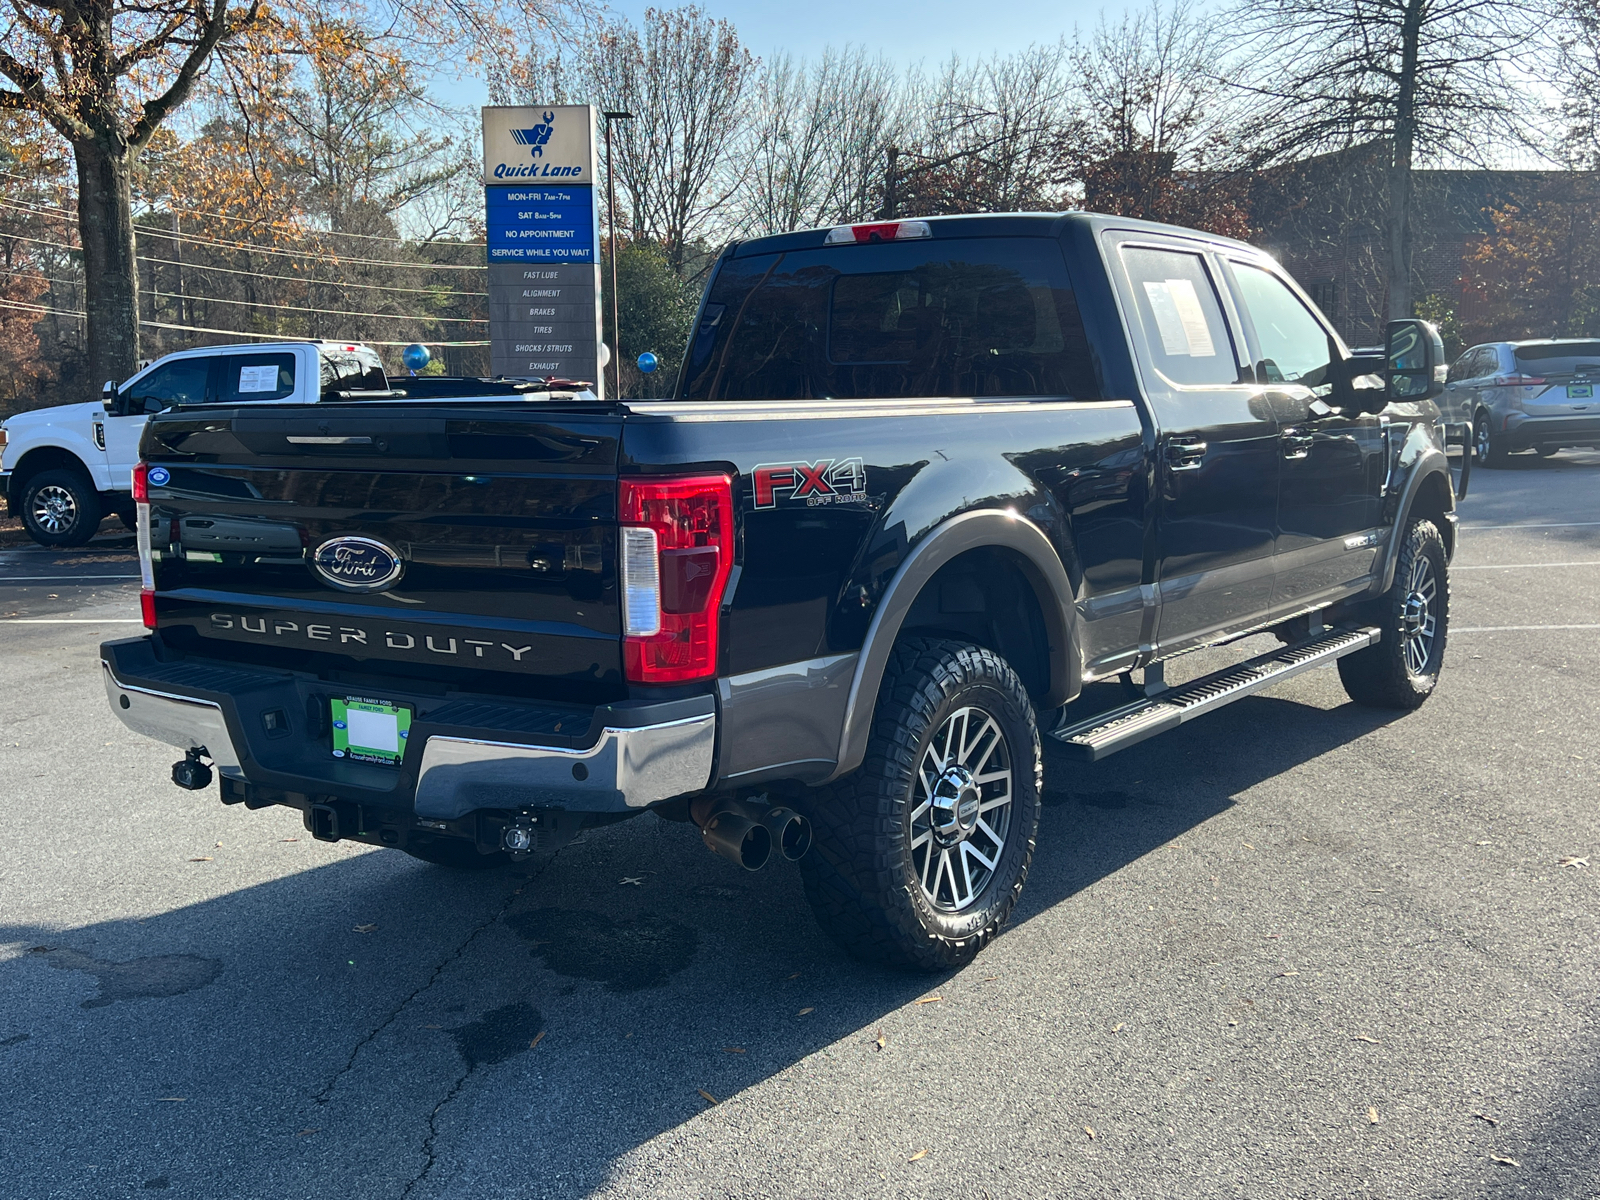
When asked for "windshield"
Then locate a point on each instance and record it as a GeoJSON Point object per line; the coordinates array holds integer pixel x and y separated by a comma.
{"type": "Point", "coordinates": [950, 317]}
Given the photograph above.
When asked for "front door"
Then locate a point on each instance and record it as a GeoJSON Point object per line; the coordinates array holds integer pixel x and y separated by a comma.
{"type": "Point", "coordinates": [180, 381]}
{"type": "Point", "coordinates": [1217, 453]}
{"type": "Point", "coordinates": [1332, 460]}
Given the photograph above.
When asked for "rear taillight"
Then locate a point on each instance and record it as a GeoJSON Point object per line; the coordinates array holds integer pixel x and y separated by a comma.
{"type": "Point", "coordinates": [677, 551]}
{"type": "Point", "coordinates": [1516, 381]}
{"type": "Point", "coordinates": [878, 231]}
{"type": "Point", "coordinates": [141, 534]}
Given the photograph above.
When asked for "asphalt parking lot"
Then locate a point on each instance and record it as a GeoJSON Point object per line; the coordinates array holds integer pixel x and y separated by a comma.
{"type": "Point", "coordinates": [1294, 949]}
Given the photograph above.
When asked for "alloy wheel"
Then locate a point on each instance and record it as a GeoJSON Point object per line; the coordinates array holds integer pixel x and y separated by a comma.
{"type": "Point", "coordinates": [1419, 623]}
{"type": "Point", "coordinates": [55, 509]}
{"type": "Point", "coordinates": [962, 809]}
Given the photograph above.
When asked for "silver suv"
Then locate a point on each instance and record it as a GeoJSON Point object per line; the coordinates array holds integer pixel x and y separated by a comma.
{"type": "Point", "coordinates": [1535, 395]}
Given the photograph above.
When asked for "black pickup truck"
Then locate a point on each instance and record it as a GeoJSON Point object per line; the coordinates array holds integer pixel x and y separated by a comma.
{"type": "Point", "coordinates": [918, 484]}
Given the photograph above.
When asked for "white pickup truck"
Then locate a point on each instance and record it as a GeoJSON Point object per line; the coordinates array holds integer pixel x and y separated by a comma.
{"type": "Point", "coordinates": [65, 468]}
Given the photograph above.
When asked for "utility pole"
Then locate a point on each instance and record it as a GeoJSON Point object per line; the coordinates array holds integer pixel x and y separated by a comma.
{"type": "Point", "coordinates": [611, 220]}
{"type": "Point", "coordinates": [177, 259]}
{"type": "Point", "coordinates": [887, 213]}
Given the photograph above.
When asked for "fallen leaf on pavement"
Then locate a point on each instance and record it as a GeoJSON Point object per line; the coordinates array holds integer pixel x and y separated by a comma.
{"type": "Point", "coordinates": [796, 975]}
{"type": "Point", "coordinates": [1361, 1037]}
{"type": "Point", "coordinates": [919, 1154]}
{"type": "Point", "coordinates": [364, 928]}
{"type": "Point", "coordinates": [733, 1049]}
{"type": "Point", "coordinates": [1372, 1115]}
{"type": "Point", "coordinates": [1572, 860]}
{"type": "Point", "coordinates": [990, 978]}
{"type": "Point", "coordinates": [636, 882]}
{"type": "Point", "coordinates": [927, 1000]}
{"type": "Point", "coordinates": [537, 1038]}
{"type": "Point", "coordinates": [1286, 974]}
{"type": "Point", "coordinates": [1486, 1117]}
{"type": "Point", "coordinates": [1119, 1027]}
{"type": "Point", "coordinates": [206, 858]}
{"type": "Point", "coordinates": [709, 1097]}
{"type": "Point", "coordinates": [307, 1132]}
{"type": "Point", "coordinates": [1248, 846]}
{"type": "Point", "coordinates": [172, 1099]}
{"type": "Point", "coordinates": [1504, 1161]}
{"type": "Point", "coordinates": [881, 1042]}
{"type": "Point", "coordinates": [1090, 1132]}
{"type": "Point", "coordinates": [1483, 843]}
{"type": "Point", "coordinates": [804, 1011]}
{"type": "Point", "coordinates": [288, 839]}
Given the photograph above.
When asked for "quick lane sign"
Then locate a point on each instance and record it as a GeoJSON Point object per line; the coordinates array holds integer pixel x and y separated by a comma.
{"type": "Point", "coordinates": [544, 237]}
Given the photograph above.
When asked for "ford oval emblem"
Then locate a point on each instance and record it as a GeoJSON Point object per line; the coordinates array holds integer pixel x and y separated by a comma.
{"type": "Point", "coordinates": [357, 564]}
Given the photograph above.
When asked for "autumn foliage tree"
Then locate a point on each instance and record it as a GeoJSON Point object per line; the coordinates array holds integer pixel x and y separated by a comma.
{"type": "Point", "coordinates": [1538, 274]}
{"type": "Point", "coordinates": [106, 76]}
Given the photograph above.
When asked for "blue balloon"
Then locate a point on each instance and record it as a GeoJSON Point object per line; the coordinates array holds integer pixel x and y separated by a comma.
{"type": "Point", "coordinates": [415, 356]}
{"type": "Point", "coordinates": [648, 362]}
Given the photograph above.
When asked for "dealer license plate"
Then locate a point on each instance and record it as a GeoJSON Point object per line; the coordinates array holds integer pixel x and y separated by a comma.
{"type": "Point", "coordinates": [1580, 391]}
{"type": "Point", "coordinates": [368, 730]}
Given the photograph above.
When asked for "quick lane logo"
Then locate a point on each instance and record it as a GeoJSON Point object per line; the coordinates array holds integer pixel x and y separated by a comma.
{"type": "Point", "coordinates": [827, 481]}
{"type": "Point", "coordinates": [537, 136]}
{"type": "Point", "coordinates": [348, 635]}
{"type": "Point", "coordinates": [536, 139]}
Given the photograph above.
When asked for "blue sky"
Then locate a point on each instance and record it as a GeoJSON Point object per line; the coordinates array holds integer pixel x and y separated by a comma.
{"type": "Point", "coordinates": [929, 30]}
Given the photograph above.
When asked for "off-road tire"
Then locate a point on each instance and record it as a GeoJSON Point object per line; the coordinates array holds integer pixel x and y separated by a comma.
{"type": "Point", "coordinates": [456, 853]}
{"type": "Point", "coordinates": [860, 874]}
{"type": "Point", "coordinates": [1382, 676]}
{"type": "Point", "coordinates": [1488, 447]}
{"type": "Point", "coordinates": [76, 492]}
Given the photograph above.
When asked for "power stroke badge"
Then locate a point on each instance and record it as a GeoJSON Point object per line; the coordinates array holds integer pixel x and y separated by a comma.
{"type": "Point", "coordinates": [357, 564]}
{"type": "Point", "coordinates": [826, 481]}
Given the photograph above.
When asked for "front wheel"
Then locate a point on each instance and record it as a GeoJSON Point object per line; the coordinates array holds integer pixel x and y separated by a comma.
{"type": "Point", "coordinates": [1488, 448]}
{"type": "Point", "coordinates": [918, 857]}
{"type": "Point", "coordinates": [60, 508]}
{"type": "Point", "coordinates": [1402, 670]}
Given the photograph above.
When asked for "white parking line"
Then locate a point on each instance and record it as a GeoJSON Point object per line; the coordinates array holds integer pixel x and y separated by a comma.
{"type": "Point", "coordinates": [1528, 566]}
{"type": "Point", "coordinates": [1515, 628]}
{"type": "Point", "coordinates": [1531, 525]}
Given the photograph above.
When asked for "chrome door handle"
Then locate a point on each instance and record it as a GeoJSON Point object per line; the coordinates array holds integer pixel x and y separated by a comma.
{"type": "Point", "coordinates": [1296, 444]}
{"type": "Point", "coordinates": [1185, 453]}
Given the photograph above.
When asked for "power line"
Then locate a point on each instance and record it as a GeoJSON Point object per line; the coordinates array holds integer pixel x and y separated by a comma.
{"type": "Point", "coordinates": [247, 247]}
{"type": "Point", "coordinates": [326, 312]}
{"type": "Point", "coordinates": [305, 279]}
{"type": "Point", "coordinates": [43, 310]}
{"type": "Point", "coordinates": [199, 212]}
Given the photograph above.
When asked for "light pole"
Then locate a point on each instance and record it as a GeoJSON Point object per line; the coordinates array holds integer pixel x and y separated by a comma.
{"type": "Point", "coordinates": [611, 219]}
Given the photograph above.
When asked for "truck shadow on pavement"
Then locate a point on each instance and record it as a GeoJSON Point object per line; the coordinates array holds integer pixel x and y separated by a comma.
{"type": "Point", "coordinates": [371, 1026]}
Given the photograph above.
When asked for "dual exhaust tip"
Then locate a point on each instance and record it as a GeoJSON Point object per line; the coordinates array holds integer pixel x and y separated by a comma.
{"type": "Point", "coordinates": [747, 834]}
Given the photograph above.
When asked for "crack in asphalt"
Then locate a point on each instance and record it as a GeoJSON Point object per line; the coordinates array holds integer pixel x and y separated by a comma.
{"type": "Point", "coordinates": [325, 1093]}
{"type": "Point", "coordinates": [428, 1152]}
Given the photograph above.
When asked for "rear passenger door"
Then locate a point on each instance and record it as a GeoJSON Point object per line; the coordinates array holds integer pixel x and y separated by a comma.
{"type": "Point", "coordinates": [1217, 450]}
{"type": "Point", "coordinates": [247, 378]}
{"type": "Point", "coordinates": [1332, 460]}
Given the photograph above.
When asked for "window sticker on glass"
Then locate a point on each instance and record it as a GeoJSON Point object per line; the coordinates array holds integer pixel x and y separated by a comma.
{"type": "Point", "coordinates": [1180, 318]}
{"type": "Point", "coordinates": [258, 379]}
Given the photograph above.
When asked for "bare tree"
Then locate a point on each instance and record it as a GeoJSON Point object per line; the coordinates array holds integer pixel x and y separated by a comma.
{"type": "Point", "coordinates": [687, 81]}
{"type": "Point", "coordinates": [817, 140]}
{"type": "Point", "coordinates": [1430, 80]}
{"type": "Point", "coordinates": [1579, 39]}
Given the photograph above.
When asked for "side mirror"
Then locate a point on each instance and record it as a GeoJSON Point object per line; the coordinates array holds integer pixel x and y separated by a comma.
{"type": "Point", "coordinates": [1415, 369]}
{"type": "Point", "coordinates": [108, 394]}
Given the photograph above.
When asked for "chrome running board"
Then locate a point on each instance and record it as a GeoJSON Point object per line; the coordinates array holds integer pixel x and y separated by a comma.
{"type": "Point", "coordinates": [1106, 733]}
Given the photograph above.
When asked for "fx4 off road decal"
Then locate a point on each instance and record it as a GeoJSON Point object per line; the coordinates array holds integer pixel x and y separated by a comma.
{"type": "Point", "coordinates": [827, 481]}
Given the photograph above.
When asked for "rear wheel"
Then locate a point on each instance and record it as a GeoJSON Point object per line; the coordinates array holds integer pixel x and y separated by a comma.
{"type": "Point", "coordinates": [1402, 670]}
{"type": "Point", "coordinates": [920, 855]}
{"type": "Point", "coordinates": [1488, 447]}
{"type": "Point", "coordinates": [453, 852]}
{"type": "Point", "coordinates": [60, 508]}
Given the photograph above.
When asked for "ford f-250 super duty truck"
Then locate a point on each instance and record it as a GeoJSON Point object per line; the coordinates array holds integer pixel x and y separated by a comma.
{"type": "Point", "coordinates": [919, 483]}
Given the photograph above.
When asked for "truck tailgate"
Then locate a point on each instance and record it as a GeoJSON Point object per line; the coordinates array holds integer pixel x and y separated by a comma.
{"type": "Point", "coordinates": [407, 539]}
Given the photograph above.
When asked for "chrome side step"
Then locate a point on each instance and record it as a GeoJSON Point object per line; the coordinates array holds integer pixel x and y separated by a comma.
{"type": "Point", "coordinates": [1108, 732]}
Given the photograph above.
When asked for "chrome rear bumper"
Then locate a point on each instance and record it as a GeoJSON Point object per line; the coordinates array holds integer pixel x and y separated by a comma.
{"type": "Point", "coordinates": [182, 721]}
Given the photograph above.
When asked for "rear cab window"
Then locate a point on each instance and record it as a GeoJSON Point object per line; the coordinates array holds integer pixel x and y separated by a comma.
{"type": "Point", "coordinates": [1180, 316]}
{"type": "Point", "coordinates": [248, 378]}
{"type": "Point", "coordinates": [945, 317]}
{"type": "Point", "coordinates": [351, 369]}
